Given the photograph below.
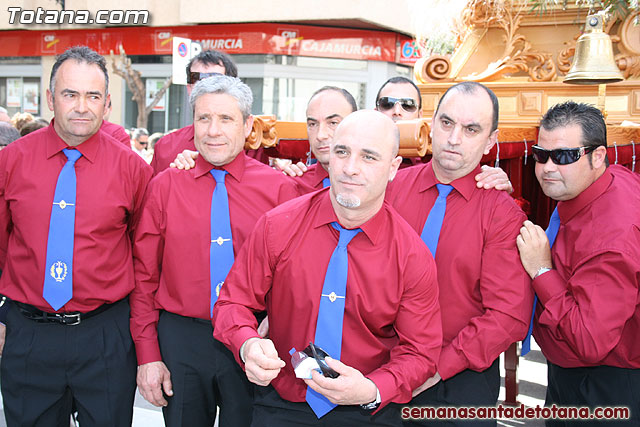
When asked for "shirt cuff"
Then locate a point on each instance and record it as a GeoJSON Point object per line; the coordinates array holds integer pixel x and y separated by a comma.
{"type": "Point", "coordinates": [386, 385]}
{"type": "Point", "coordinates": [239, 338]}
{"type": "Point", "coordinates": [452, 362]}
{"type": "Point", "coordinates": [549, 285]}
{"type": "Point", "coordinates": [147, 352]}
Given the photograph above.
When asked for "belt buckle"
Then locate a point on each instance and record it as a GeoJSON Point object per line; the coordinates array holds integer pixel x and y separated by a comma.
{"type": "Point", "coordinates": [71, 319]}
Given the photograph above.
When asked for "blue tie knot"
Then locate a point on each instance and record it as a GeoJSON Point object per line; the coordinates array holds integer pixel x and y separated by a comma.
{"type": "Point", "coordinates": [218, 175]}
{"type": "Point", "coordinates": [72, 155]}
{"type": "Point", "coordinates": [345, 234]}
{"type": "Point", "coordinates": [325, 182]}
{"type": "Point", "coordinates": [444, 189]}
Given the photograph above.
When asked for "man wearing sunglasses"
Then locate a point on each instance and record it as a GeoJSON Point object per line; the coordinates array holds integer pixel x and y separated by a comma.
{"type": "Point", "coordinates": [485, 294]}
{"type": "Point", "coordinates": [399, 98]}
{"type": "Point", "coordinates": [587, 319]}
{"type": "Point", "coordinates": [206, 64]}
{"type": "Point", "coordinates": [140, 143]}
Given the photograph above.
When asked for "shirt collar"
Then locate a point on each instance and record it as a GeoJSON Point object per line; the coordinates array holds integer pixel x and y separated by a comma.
{"type": "Point", "coordinates": [235, 168]}
{"type": "Point", "coordinates": [88, 148]}
{"type": "Point", "coordinates": [569, 208]}
{"type": "Point", "coordinates": [465, 185]}
{"type": "Point", "coordinates": [326, 215]}
{"type": "Point", "coordinates": [319, 173]}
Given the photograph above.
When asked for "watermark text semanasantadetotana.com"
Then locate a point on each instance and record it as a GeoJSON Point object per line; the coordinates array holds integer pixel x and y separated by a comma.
{"type": "Point", "coordinates": [17, 15]}
{"type": "Point", "coordinates": [515, 412]}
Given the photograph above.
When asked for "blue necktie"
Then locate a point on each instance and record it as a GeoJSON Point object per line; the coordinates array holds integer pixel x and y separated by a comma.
{"type": "Point", "coordinates": [325, 182]}
{"type": "Point", "coordinates": [433, 224]}
{"type": "Point", "coordinates": [331, 312]}
{"type": "Point", "coordinates": [221, 249]}
{"type": "Point", "coordinates": [552, 232]}
{"type": "Point", "coordinates": [58, 277]}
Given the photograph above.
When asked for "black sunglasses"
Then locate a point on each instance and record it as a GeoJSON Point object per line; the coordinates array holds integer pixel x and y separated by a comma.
{"type": "Point", "coordinates": [386, 103]}
{"type": "Point", "coordinates": [561, 156]}
{"type": "Point", "coordinates": [194, 76]}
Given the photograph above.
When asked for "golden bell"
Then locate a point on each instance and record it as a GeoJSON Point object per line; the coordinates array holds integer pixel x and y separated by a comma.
{"type": "Point", "coordinates": [593, 61]}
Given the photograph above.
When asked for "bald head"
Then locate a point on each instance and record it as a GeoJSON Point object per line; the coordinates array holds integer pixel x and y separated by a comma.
{"type": "Point", "coordinates": [371, 124]}
{"type": "Point", "coordinates": [362, 161]}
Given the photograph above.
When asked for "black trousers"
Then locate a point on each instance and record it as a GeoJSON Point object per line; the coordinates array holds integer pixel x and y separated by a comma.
{"type": "Point", "coordinates": [270, 410]}
{"type": "Point", "coordinates": [204, 375]}
{"type": "Point", "coordinates": [468, 388]}
{"type": "Point", "coordinates": [592, 387]}
{"type": "Point", "coordinates": [47, 368]}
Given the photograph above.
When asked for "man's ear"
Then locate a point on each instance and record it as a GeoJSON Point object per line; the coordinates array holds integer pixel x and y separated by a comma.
{"type": "Point", "coordinates": [395, 164]}
{"type": "Point", "coordinates": [50, 100]}
{"type": "Point", "coordinates": [248, 126]}
{"type": "Point", "coordinates": [493, 140]}
{"type": "Point", "coordinates": [598, 157]}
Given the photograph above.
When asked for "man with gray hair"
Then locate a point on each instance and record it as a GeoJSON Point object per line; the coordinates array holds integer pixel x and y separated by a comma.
{"type": "Point", "coordinates": [206, 64]}
{"type": "Point", "coordinates": [193, 225]}
{"type": "Point", "coordinates": [140, 144]}
{"type": "Point", "coordinates": [4, 115]}
{"type": "Point", "coordinates": [69, 198]}
{"type": "Point", "coordinates": [8, 134]}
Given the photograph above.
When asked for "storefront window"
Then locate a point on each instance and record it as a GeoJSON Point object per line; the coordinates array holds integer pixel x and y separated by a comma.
{"type": "Point", "coordinates": [20, 95]}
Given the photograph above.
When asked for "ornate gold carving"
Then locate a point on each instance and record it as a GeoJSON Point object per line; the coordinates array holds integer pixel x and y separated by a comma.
{"type": "Point", "coordinates": [565, 55]}
{"type": "Point", "coordinates": [629, 65]}
{"type": "Point", "coordinates": [263, 133]}
{"type": "Point", "coordinates": [518, 54]}
{"type": "Point", "coordinates": [433, 68]}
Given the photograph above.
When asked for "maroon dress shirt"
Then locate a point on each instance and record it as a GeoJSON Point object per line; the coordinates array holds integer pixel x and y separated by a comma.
{"type": "Point", "coordinates": [111, 180]}
{"type": "Point", "coordinates": [169, 146]}
{"type": "Point", "coordinates": [171, 249]}
{"type": "Point", "coordinates": [116, 132]}
{"type": "Point", "coordinates": [391, 331]}
{"type": "Point", "coordinates": [485, 294]}
{"type": "Point", "coordinates": [588, 311]}
{"type": "Point", "coordinates": [311, 180]}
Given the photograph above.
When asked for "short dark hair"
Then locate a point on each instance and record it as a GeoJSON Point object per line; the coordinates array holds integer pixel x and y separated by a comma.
{"type": "Point", "coordinates": [8, 134]}
{"type": "Point", "coordinates": [588, 117]}
{"type": "Point", "coordinates": [214, 57]}
{"type": "Point", "coordinates": [472, 87]}
{"type": "Point", "coordinates": [345, 93]}
{"type": "Point", "coordinates": [80, 54]}
{"type": "Point", "coordinates": [401, 80]}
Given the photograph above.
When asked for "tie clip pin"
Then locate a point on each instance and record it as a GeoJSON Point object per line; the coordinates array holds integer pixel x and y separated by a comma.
{"type": "Point", "coordinates": [220, 240]}
{"type": "Point", "coordinates": [63, 204]}
{"type": "Point", "coordinates": [332, 296]}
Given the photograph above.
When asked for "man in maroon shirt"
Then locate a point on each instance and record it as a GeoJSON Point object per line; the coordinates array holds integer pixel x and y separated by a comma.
{"type": "Point", "coordinates": [170, 306]}
{"type": "Point", "coordinates": [391, 329]}
{"type": "Point", "coordinates": [327, 107]}
{"type": "Point", "coordinates": [485, 295]}
{"type": "Point", "coordinates": [80, 353]}
{"type": "Point", "coordinates": [116, 131]}
{"type": "Point", "coordinates": [205, 64]}
{"type": "Point", "coordinates": [587, 319]}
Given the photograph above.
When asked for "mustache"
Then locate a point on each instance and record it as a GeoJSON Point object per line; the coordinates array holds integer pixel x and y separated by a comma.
{"type": "Point", "coordinates": [343, 179]}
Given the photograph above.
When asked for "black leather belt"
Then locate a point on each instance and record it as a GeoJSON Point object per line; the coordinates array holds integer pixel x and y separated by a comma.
{"type": "Point", "coordinates": [69, 319]}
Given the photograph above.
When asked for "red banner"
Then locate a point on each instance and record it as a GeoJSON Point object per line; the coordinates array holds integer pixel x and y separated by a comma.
{"type": "Point", "coordinates": [265, 38]}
